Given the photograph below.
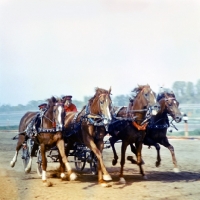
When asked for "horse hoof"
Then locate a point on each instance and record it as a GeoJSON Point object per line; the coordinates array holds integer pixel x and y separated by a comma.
{"type": "Point", "coordinates": [114, 162]}
{"type": "Point", "coordinates": [47, 183]}
{"type": "Point", "coordinates": [176, 170]}
{"type": "Point", "coordinates": [12, 164]}
{"type": "Point", "coordinates": [63, 176]}
{"type": "Point", "coordinates": [72, 176]}
{"type": "Point", "coordinates": [107, 177]}
{"type": "Point", "coordinates": [130, 158]}
{"type": "Point", "coordinates": [145, 177]}
{"type": "Point", "coordinates": [157, 164]}
{"type": "Point", "coordinates": [27, 170]}
{"type": "Point", "coordinates": [122, 180]}
{"type": "Point", "coordinates": [105, 184]}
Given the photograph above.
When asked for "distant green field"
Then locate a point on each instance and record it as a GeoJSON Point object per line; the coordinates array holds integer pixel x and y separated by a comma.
{"type": "Point", "coordinates": [15, 127]}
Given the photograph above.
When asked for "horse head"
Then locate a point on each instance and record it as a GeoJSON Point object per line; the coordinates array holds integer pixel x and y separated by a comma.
{"type": "Point", "coordinates": [58, 114]}
{"type": "Point", "coordinates": [168, 103]}
{"type": "Point", "coordinates": [144, 98]}
{"type": "Point", "coordinates": [101, 103]}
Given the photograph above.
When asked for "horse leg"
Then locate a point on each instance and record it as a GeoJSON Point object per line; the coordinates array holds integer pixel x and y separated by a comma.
{"type": "Point", "coordinates": [149, 142]}
{"type": "Point", "coordinates": [32, 154]}
{"type": "Point", "coordinates": [166, 143]}
{"type": "Point", "coordinates": [61, 147]}
{"type": "Point", "coordinates": [44, 162]}
{"type": "Point", "coordinates": [106, 176]}
{"type": "Point", "coordinates": [18, 147]}
{"type": "Point", "coordinates": [113, 140]}
{"type": "Point", "coordinates": [122, 162]}
{"type": "Point", "coordinates": [130, 158]}
{"type": "Point", "coordinates": [62, 167]}
{"type": "Point", "coordinates": [139, 158]}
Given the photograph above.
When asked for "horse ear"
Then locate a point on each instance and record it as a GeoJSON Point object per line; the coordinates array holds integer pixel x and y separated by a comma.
{"type": "Point", "coordinates": [109, 91]}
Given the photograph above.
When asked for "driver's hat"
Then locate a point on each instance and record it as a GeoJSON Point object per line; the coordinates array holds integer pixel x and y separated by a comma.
{"type": "Point", "coordinates": [43, 105]}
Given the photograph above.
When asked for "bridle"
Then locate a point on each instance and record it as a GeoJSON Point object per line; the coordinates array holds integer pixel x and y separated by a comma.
{"type": "Point", "coordinates": [97, 119]}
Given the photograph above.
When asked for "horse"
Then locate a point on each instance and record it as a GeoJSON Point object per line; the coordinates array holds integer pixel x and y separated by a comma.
{"type": "Point", "coordinates": [22, 135]}
{"type": "Point", "coordinates": [89, 127]}
{"type": "Point", "coordinates": [49, 135]}
{"type": "Point", "coordinates": [158, 125]}
{"type": "Point", "coordinates": [130, 124]}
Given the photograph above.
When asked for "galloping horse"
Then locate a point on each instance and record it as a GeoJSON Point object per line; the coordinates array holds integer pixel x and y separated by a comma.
{"type": "Point", "coordinates": [131, 128]}
{"type": "Point", "coordinates": [89, 127]}
{"type": "Point", "coordinates": [157, 127]}
{"type": "Point", "coordinates": [48, 136]}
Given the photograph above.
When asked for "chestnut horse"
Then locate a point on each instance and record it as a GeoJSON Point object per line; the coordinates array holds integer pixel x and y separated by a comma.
{"type": "Point", "coordinates": [89, 127]}
{"type": "Point", "coordinates": [158, 125]}
{"type": "Point", "coordinates": [48, 136]}
{"type": "Point", "coordinates": [131, 128]}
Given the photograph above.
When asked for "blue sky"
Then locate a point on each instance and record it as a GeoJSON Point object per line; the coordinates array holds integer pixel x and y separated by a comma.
{"type": "Point", "coordinates": [55, 47]}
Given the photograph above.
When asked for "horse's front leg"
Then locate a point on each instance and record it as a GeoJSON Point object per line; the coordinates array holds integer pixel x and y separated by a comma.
{"type": "Point", "coordinates": [100, 146]}
{"type": "Point", "coordinates": [20, 141]}
{"type": "Point", "coordinates": [61, 147]}
{"type": "Point", "coordinates": [149, 142]}
{"type": "Point", "coordinates": [113, 140]}
{"type": "Point", "coordinates": [166, 143]}
{"type": "Point", "coordinates": [101, 167]}
{"type": "Point", "coordinates": [44, 162]}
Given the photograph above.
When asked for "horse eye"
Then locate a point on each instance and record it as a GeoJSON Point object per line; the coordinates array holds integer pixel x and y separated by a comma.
{"type": "Point", "coordinates": [101, 102]}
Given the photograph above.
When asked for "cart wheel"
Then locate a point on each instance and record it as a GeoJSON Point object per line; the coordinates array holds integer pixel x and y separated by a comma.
{"type": "Point", "coordinates": [39, 163]}
{"type": "Point", "coordinates": [80, 160]}
{"type": "Point", "coordinates": [93, 164]}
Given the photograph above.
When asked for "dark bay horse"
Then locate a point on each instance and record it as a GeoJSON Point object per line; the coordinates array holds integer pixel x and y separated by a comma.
{"type": "Point", "coordinates": [48, 136]}
{"type": "Point", "coordinates": [158, 125]}
{"type": "Point", "coordinates": [131, 128]}
{"type": "Point", "coordinates": [89, 127]}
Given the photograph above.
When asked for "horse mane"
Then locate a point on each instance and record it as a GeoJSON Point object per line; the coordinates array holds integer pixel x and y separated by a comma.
{"type": "Point", "coordinates": [166, 91]}
{"type": "Point", "coordinates": [98, 91]}
{"type": "Point", "coordinates": [51, 101]}
{"type": "Point", "coordinates": [136, 90]}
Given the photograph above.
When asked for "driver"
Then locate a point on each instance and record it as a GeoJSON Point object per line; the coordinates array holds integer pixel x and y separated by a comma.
{"type": "Point", "coordinates": [68, 105]}
{"type": "Point", "coordinates": [34, 124]}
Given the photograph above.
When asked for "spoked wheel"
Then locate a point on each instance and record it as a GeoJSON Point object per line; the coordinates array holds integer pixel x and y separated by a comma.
{"type": "Point", "coordinates": [39, 163]}
{"type": "Point", "coordinates": [93, 163]}
{"type": "Point", "coordinates": [80, 160]}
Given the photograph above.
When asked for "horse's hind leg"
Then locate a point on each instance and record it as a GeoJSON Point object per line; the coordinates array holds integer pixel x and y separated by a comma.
{"type": "Point", "coordinates": [122, 162]}
{"type": "Point", "coordinates": [18, 147]}
{"type": "Point", "coordinates": [113, 140]}
{"type": "Point", "coordinates": [61, 147]}
{"type": "Point", "coordinates": [139, 158]}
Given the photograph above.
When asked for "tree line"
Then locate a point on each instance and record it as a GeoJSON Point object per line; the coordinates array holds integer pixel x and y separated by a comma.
{"type": "Point", "coordinates": [186, 93]}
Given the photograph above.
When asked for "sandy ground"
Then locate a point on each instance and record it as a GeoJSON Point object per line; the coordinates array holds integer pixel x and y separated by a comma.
{"type": "Point", "coordinates": [162, 182]}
